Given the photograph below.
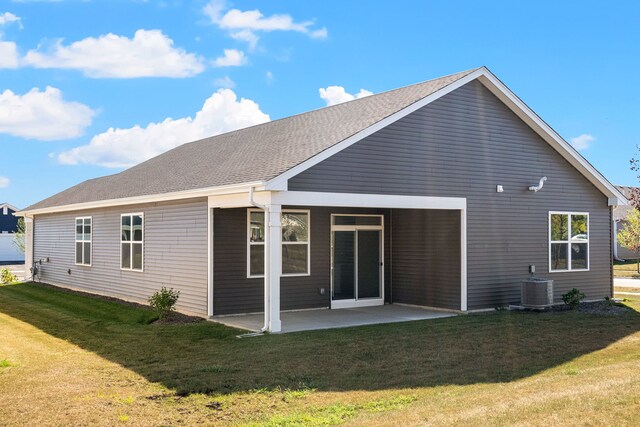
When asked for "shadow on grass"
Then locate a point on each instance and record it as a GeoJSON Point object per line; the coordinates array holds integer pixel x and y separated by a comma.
{"type": "Point", "coordinates": [208, 358]}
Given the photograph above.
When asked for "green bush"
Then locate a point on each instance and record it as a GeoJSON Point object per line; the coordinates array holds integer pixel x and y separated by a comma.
{"type": "Point", "coordinates": [573, 298]}
{"type": "Point", "coordinates": [164, 301]}
{"type": "Point", "coordinates": [6, 276]}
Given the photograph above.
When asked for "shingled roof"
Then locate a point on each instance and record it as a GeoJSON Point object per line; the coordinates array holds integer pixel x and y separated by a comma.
{"type": "Point", "coordinates": [255, 154]}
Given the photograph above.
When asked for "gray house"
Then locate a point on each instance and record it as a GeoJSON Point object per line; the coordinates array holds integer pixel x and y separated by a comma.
{"type": "Point", "coordinates": [427, 195]}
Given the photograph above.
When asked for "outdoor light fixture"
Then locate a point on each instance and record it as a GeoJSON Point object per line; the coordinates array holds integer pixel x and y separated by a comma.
{"type": "Point", "coordinates": [538, 187]}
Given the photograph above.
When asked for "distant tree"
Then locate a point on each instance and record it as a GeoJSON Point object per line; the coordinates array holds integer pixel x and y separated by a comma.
{"type": "Point", "coordinates": [634, 195]}
{"type": "Point", "coordinates": [18, 237]}
{"type": "Point", "coordinates": [629, 236]}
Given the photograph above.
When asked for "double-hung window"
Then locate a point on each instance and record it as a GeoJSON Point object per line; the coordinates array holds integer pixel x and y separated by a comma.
{"type": "Point", "coordinates": [295, 243]}
{"type": "Point", "coordinates": [568, 241]}
{"type": "Point", "coordinates": [131, 241]}
{"type": "Point", "coordinates": [83, 241]}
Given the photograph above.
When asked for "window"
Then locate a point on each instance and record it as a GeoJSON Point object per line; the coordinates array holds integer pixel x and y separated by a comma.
{"type": "Point", "coordinates": [83, 241]}
{"type": "Point", "coordinates": [568, 241]}
{"type": "Point", "coordinates": [131, 241]}
{"type": "Point", "coordinates": [295, 243]}
{"type": "Point", "coordinates": [256, 243]}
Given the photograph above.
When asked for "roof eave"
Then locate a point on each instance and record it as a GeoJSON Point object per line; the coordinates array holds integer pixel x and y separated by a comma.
{"type": "Point", "coordinates": [153, 198]}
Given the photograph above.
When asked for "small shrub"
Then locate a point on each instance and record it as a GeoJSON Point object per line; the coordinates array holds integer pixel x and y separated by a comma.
{"type": "Point", "coordinates": [164, 301]}
{"type": "Point", "coordinates": [6, 276]}
{"type": "Point", "coordinates": [573, 298]}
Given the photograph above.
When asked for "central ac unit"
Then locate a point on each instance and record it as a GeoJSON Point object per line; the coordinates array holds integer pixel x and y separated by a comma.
{"type": "Point", "coordinates": [537, 293]}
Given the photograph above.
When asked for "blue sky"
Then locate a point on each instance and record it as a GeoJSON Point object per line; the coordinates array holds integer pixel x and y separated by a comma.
{"type": "Point", "coordinates": [89, 87]}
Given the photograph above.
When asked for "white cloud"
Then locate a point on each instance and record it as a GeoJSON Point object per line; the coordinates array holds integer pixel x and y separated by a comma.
{"type": "Point", "coordinates": [582, 142]}
{"type": "Point", "coordinates": [333, 95]}
{"type": "Point", "coordinates": [8, 17]}
{"type": "Point", "coordinates": [322, 33]}
{"type": "Point", "coordinates": [42, 115]}
{"type": "Point", "coordinates": [222, 112]}
{"type": "Point", "coordinates": [4, 182]}
{"type": "Point", "coordinates": [231, 58]}
{"type": "Point", "coordinates": [224, 82]}
{"type": "Point", "coordinates": [246, 36]}
{"type": "Point", "coordinates": [149, 53]}
{"type": "Point", "coordinates": [8, 55]}
{"type": "Point", "coordinates": [243, 25]}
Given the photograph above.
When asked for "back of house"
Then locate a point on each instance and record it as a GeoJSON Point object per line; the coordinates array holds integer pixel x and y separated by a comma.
{"type": "Point", "coordinates": [430, 195]}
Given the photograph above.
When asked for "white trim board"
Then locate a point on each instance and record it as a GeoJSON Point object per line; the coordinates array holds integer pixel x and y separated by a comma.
{"type": "Point", "coordinates": [350, 200]}
{"type": "Point", "coordinates": [153, 198]}
{"type": "Point", "coordinates": [355, 200]}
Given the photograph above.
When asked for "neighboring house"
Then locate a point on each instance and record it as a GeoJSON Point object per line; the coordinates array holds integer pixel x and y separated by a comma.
{"type": "Point", "coordinates": [8, 226]}
{"type": "Point", "coordinates": [420, 195]}
{"type": "Point", "coordinates": [619, 215]}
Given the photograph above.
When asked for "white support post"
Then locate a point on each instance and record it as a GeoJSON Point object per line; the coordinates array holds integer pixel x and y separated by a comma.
{"type": "Point", "coordinates": [210, 261]}
{"type": "Point", "coordinates": [463, 260]}
{"type": "Point", "coordinates": [267, 268]}
{"type": "Point", "coordinates": [274, 257]}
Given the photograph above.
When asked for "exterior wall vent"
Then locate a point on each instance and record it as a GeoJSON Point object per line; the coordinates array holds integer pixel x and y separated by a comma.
{"type": "Point", "coordinates": [537, 293]}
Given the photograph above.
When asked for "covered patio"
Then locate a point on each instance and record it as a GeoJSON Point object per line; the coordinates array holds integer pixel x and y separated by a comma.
{"type": "Point", "coordinates": [307, 320]}
{"type": "Point", "coordinates": [279, 252]}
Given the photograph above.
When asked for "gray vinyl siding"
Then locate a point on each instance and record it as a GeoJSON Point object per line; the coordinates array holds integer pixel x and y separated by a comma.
{"type": "Point", "coordinates": [175, 253]}
{"type": "Point", "coordinates": [235, 293]}
{"type": "Point", "coordinates": [463, 145]}
{"type": "Point", "coordinates": [426, 257]}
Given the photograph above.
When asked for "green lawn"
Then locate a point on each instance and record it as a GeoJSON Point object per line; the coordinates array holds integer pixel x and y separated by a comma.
{"type": "Point", "coordinates": [627, 268]}
{"type": "Point", "coordinates": [67, 359]}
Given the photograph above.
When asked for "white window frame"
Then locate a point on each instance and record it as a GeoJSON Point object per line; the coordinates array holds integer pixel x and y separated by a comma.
{"type": "Point", "coordinates": [141, 214]}
{"type": "Point", "coordinates": [308, 243]}
{"type": "Point", "coordinates": [76, 241]}
{"type": "Point", "coordinates": [250, 243]}
{"type": "Point", "coordinates": [569, 242]}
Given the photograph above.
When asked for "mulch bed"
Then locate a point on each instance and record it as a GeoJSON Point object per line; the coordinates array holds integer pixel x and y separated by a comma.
{"type": "Point", "coordinates": [597, 307]}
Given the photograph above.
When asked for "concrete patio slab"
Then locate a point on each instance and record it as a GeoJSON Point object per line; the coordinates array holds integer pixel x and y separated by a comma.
{"type": "Point", "coordinates": [295, 321]}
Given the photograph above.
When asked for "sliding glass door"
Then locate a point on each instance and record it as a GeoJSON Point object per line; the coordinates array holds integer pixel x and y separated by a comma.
{"type": "Point", "coordinates": [356, 260]}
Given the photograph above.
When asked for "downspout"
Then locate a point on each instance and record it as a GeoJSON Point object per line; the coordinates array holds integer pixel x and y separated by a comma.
{"type": "Point", "coordinates": [267, 256]}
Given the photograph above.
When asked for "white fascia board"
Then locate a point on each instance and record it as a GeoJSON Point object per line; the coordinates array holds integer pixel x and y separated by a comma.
{"type": "Point", "coordinates": [280, 182]}
{"type": "Point", "coordinates": [515, 104]}
{"type": "Point", "coordinates": [354, 200]}
{"type": "Point", "coordinates": [239, 199]}
{"type": "Point", "coordinates": [351, 200]}
{"type": "Point", "coordinates": [154, 198]}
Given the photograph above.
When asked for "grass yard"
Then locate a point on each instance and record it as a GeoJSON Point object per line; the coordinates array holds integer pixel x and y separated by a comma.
{"type": "Point", "coordinates": [627, 268]}
{"type": "Point", "coordinates": [66, 359]}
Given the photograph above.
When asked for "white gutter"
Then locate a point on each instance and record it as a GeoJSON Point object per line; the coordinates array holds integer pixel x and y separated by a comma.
{"type": "Point", "coordinates": [267, 259]}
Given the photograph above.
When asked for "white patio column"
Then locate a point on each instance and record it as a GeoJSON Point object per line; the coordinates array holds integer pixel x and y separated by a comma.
{"type": "Point", "coordinates": [274, 270]}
